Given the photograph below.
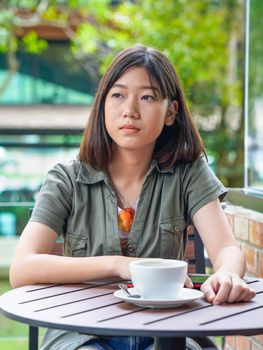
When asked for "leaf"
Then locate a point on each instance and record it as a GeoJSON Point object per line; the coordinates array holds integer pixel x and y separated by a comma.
{"type": "Point", "coordinates": [33, 44]}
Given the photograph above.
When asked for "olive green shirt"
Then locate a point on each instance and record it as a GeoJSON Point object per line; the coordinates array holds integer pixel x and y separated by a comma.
{"type": "Point", "coordinates": [79, 203]}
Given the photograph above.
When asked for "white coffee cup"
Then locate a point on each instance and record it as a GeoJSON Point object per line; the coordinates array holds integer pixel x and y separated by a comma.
{"type": "Point", "coordinates": [158, 279]}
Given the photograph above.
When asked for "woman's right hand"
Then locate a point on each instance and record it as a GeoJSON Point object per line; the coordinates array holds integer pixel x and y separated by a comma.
{"type": "Point", "coordinates": [122, 268]}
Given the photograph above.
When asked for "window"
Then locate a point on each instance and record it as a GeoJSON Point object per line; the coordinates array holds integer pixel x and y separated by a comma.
{"type": "Point", "coordinates": [251, 196]}
{"type": "Point", "coordinates": [254, 98]}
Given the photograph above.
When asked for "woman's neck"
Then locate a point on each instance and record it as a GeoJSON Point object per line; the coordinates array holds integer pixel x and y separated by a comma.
{"type": "Point", "coordinates": [129, 166]}
{"type": "Point", "coordinates": [127, 172]}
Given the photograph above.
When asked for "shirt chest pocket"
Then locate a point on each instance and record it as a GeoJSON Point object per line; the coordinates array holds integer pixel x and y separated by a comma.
{"type": "Point", "coordinates": [75, 245]}
{"type": "Point", "coordinates": [172, 233]}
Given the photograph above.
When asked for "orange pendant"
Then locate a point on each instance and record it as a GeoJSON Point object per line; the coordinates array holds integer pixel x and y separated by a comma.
{"type": "Point", "coordinates": [125, 219]}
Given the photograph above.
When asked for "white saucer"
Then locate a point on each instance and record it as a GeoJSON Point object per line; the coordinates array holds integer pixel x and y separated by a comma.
{"type": "Point", "coordinates": [186, 296]}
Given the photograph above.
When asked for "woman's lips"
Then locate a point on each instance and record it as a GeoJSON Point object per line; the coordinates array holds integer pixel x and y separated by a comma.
{"type": "Point", "coordinates": [129, 128]}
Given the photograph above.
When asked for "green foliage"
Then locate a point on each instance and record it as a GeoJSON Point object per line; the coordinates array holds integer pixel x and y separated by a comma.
{"type": "Point", "coordinates": [6, 18]}
{"type": "Point", "coordinates": [4, 40]}
{"type": "Point", "coordinates": [256, 49]}
{"type": "Point", "coordinates": [86, 40]}
{"type": "Point", "coordinates": [32, 44]}
{"type": "Point", "coordinates": [10, 344]}
{"type": "Point", "coordinates": [9, 25]}
{"type": "Point", "coordinates": [23, 4]}
{"type": "Point", "coordinates": [52, 13]}
{"type": "Point", "coordinates": [195, 35]}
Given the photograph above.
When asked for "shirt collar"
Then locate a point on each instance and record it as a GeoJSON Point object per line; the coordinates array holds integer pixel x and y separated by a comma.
{"type": "Point", "coordinates": [89, 175]}
{"type": "Point", "coordinates": [155, 166]}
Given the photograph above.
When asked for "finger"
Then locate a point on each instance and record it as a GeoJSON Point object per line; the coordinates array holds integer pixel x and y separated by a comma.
{"type": "Point", "coordinates": [247, 294]}
{"type": "Point", "coordinates": [252, 293]}
{"type": "Point", "coordinates": [188, 283]}
{"type": "Point", "coordinates": [238, 290]}
{"type": "Point", "coordinates": [209, 288]}
{"type": "Point", "coordinates": [223, 291]}
{"type": "Point", "coordinates": [243, 296]}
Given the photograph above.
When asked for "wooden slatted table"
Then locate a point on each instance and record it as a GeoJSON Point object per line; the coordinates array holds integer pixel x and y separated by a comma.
{"type": "Point", "coordinates": [91, 308]}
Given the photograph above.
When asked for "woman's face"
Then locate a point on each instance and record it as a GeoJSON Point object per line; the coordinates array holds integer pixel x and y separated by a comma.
{"type": "Point", "coordinates": [136, 112]}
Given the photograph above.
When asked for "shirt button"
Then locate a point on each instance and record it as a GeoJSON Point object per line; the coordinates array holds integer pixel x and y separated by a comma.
{"type": "Point", "coordinates": [131, 248]}
{"type": "Point", "coordinates": [176, 228]}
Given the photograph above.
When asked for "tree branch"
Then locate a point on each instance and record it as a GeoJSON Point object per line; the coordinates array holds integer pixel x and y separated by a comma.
{"type": "Point", "coordinates": [12, 64]}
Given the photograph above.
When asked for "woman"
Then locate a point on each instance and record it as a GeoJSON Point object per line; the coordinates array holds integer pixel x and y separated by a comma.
{"type": "Point", "coordinates": [139, 180]}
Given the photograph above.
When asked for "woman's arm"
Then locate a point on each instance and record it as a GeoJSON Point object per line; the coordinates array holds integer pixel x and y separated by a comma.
{"type": "Point", "coordinates": [33, 262]}
{"type": "Point", "coordinates": [226, 284]}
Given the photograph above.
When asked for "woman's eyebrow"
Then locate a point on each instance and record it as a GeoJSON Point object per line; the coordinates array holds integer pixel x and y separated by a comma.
{"type": "Point", "coordinates": [144, 87]}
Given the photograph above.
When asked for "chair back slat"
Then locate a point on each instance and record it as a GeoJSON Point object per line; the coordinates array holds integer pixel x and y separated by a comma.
{"type": "Point", "coordinates": [194, 252]}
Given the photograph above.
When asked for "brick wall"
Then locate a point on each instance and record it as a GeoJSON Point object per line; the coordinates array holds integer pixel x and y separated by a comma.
{"type": "Point", "coordinates": [247, 226]}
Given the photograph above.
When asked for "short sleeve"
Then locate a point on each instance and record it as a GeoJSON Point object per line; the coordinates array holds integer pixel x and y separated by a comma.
{"type": "Point", "coordinates": [200, 186]}
{"type": "Point", "coordinates": [53, 204]}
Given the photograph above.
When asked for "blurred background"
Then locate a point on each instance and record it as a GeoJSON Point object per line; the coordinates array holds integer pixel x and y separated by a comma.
{"type": "Point", "coordinates": [53, 53]}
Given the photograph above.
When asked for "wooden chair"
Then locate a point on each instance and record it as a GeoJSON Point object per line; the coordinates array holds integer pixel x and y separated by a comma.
{"type": "Point", "coordinates": [194, 252]}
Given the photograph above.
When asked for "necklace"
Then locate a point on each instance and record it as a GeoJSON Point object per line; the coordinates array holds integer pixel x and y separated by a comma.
{"type": "Point", "coordinates": [125, 219]}
{"type": "Point", "coordinates": [124, 203]}
{"type": "Point", "coordinates": [126, 213]}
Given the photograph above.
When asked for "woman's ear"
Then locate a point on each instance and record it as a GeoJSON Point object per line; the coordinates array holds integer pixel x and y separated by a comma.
{"type": "Point", "coordinates": [171, 113]}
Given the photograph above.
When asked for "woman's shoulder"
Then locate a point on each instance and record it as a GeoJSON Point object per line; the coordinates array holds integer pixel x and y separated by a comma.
{"type": "Point", "coordinates": [197, 171]}
{"type": "Point", "coordinates": [198, 174]}
{"type": "Point", "coordinates": [71, 167]}
{"type": "Point", "coordinates": [193, 166]}
{"type": "Point", "coordinates": [78, 170]}
{"type": "Point", "coordinates": [184, 169]}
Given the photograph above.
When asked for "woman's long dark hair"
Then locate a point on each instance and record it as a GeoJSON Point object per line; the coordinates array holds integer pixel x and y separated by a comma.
{"type": "Point", "coordinates": [179, 142]}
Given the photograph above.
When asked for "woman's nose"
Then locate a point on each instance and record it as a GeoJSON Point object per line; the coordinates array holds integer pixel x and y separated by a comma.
{"type": "Point", "coordinates": [131, 110]}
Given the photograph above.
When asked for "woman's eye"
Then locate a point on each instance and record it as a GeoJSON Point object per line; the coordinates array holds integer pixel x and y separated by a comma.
{"type": "Point", "coordinates": [116, 95]}
{"type": "Point", "coordinates": [148, 98]}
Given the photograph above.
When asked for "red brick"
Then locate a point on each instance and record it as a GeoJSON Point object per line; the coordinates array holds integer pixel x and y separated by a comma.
{"type": "Point", "coordinates": [260, 271]}
{"type": "Point", "coordinates": [258, 339]}
{"type": "Point", "coordinates": [256, 233]}
{"type": "Point", "coordinates": [231, 341]}
{"type": "Point", "coordinates": [243, 343]}
{"type": "Point", "coordinates": [251, 258]}
{"type": "Point", "coordinates": [241, 227]}
{"type": "Point", "coordinates": [230, 218]}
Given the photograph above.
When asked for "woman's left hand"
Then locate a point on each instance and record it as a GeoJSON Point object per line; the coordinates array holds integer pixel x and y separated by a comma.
{"type": "Point", "coordinates": [228, 287]}
{"type": "Point", "coordinates": [188, 282]}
